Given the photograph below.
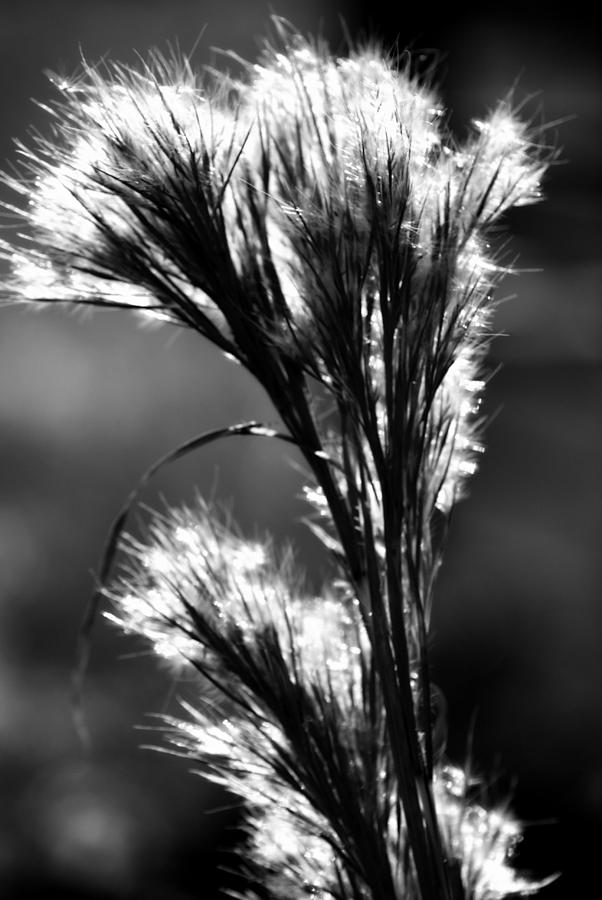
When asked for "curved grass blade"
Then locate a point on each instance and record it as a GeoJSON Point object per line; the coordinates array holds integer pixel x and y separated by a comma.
{"type": "Point", "coordinates": [244, 429]}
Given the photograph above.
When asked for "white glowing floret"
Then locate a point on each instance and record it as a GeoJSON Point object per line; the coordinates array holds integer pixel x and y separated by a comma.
{"type": "Point", "coordinates": [195, 565]}
{"type": "Point", "coordinates": [483, 840]}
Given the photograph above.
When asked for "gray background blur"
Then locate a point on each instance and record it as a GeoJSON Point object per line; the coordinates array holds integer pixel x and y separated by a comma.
{"type": "Point", "coordinates": [87, 405]}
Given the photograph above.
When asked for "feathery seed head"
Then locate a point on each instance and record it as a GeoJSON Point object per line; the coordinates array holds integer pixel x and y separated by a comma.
{"type": "Point", "coordinates": [196, 568]}
{"type": "Point", "coordinates": [317, 207]}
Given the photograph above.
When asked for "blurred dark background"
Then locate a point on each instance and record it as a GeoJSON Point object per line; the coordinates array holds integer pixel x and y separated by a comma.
{"type": "Point", "coordinates": [87, 404]}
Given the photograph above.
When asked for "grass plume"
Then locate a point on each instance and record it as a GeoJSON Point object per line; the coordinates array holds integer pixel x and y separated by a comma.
{"type": "Point", "coordinates": [315, 221]}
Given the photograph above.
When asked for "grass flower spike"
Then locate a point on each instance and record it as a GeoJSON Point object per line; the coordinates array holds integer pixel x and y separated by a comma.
{"type": "Point", "coordinates": [313, 219]}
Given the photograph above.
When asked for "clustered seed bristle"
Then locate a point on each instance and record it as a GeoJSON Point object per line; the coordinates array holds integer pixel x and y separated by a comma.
{"type": "Point", "coordinates": [294, 684]}
{"type": "Point", "coordinates": [316, 222]}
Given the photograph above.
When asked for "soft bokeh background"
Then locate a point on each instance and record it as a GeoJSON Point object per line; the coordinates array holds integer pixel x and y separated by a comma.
{"type": "Point", "coordinates": [86, 405]}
